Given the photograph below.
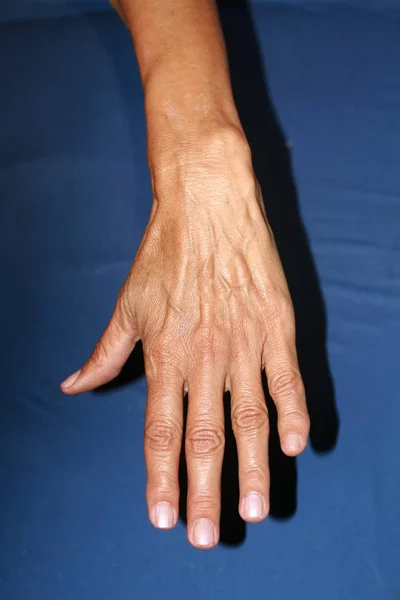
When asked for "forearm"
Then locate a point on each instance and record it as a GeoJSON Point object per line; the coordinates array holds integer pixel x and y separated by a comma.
{"type": "Point", "coordinates": [183, 66]}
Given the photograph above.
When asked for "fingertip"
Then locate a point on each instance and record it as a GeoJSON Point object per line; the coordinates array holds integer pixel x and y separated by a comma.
{"type": "Point", "coordinates": [254, 508]}
{"type": "Point", "coordinates": [293, 444]}
{"type": "Point", "coordinates": [67, 384]}
{"type": "Point", "coordinates": [163, 516]}
{"type": "Point", "coordinates": [203, 535]}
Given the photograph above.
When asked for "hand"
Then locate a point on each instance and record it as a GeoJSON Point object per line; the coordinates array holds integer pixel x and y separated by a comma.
{"type": "Point", "coordinates": [207, 296]}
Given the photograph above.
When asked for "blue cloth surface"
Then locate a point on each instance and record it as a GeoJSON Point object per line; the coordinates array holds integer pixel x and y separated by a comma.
{"type": "Point", "coordinates": [37, 9]}
{"type": "Point", "coordinates": [75, 198]}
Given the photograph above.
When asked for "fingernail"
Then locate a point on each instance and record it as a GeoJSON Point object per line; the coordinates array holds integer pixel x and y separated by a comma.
{"type": "Point", "coordinates": [164, 516]}
{"type": "Point", "coordinates": [252, 506]}
{"type": "Point", "coordinates": [203, 533]}
{"type": "Point", "coordinates": [70, 380]}
{"type": "Point", "coordinates": [293, 442]}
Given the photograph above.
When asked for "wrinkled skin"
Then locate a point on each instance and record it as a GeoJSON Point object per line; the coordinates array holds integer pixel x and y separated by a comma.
{"type": "Point", "coordinates": [207, 296]}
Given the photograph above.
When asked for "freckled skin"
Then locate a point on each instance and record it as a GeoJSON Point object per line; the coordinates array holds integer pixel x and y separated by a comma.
{"type": "Point", "coordinates": [206, 292]}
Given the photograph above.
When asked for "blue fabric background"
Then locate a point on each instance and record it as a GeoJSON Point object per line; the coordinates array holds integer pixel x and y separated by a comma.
{"type": "Point", "coordinates": [36, 9]}
{"type": "Point", "coordinates": [74, 200]}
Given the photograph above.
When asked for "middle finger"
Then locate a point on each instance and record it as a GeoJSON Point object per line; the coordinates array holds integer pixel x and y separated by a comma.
{"type": "Point", "coordinates": [205, 441]}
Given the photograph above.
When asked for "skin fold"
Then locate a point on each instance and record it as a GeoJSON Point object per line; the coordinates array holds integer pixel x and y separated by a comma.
{"type": "Point", "coordinates": [206, 292]}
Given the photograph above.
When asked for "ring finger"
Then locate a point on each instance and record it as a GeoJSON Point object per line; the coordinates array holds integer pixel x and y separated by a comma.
{"type": "Point", "coordinates": [251, 429]}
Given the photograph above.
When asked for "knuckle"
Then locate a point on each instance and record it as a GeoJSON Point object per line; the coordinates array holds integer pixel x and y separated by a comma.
{"type": "Point", "coordinates": [100, 354]}
{"type": "Point", "coordinates": [161, 436]}
{"type": "Point", "coordinates": [286, 385]}
{"type": "Point", "coordinates": [279, 309]}
{"type": "Point", "coordinates": [160, 482]}
{"type": "Point", "coordinates": [255, 472]}
{"type": "Point", "coordinates": [296, 415]}
{"type": "Point", "coordinates": [271, 313]}
{"type": "Point", "coordinates": [159, 358]}
{"type": "Point", "coordinates": [204, 441]}
{"type": "Point", "coordinates": [207, 342]}
{"type": "Point", "coordinates": [123, 310]}
{"type": "Point", "coordinates": [249, 419]}
{"type": "Point", "coordinates": [286, 306]}
{"type": "Point", "coordinates": [203, 503]}
{"type": "Point", "coordinates": [157, 348]}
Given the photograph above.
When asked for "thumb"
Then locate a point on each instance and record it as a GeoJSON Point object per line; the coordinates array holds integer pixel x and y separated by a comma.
{"type": "Point", "coordinates": [109, 356]}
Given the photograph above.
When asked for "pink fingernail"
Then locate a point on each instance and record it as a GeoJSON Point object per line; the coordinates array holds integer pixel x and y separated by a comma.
{"type": "Point", "coordinates": [70, 380]}
{"type": "Point", "coordinates": [164, 516]}
{"type": "Point", "coordinates": [203, 533]}
{"type": "Point", "coordinates": [252, 506]}
{"type": "Point", "coordinates": [293, 442]}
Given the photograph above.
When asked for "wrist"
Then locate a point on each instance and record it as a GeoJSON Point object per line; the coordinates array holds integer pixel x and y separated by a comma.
{"type": "Point", "coordinates": [195, 165]}
{"type": "Point", "coordinates": [188, 125]}
{"type": "Point", "coordinates": [171, 147]}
